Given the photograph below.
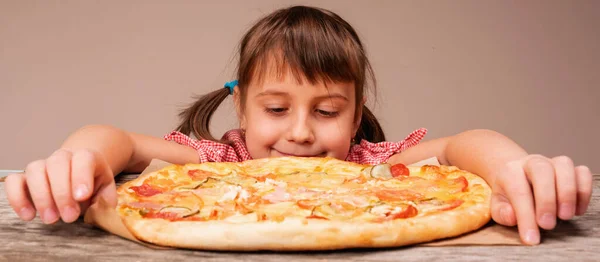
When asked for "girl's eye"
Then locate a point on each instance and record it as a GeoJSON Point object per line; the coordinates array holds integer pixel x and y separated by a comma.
{"type": "Point", "coordinates": [327, 113]}
{"type": "Point", "coordinates": [276, 110]}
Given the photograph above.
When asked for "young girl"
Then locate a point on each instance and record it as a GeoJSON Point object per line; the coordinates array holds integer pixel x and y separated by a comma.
{"type": "Point", "coordinates": [303, 75]}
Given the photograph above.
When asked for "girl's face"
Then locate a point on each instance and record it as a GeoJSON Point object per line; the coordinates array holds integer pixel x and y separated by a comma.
{"type": "Point", "coordinates": [286, 118]}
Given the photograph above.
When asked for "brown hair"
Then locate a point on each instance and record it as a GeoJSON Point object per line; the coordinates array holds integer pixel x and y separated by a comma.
{"type": "Point", "coordinates": [314, 44]}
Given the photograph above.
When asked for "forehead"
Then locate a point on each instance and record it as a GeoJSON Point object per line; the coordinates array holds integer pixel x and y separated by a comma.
{"type": "Point", "coordinates": [278, 66]}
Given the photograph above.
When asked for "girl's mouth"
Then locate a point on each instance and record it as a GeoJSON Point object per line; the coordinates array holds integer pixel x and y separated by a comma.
{"type": "Point", "coordinates": [299, 155]}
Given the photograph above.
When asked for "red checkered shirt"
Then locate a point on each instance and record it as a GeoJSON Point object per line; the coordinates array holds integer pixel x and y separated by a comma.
{"type": "Point", "coordinates": [363, 153]}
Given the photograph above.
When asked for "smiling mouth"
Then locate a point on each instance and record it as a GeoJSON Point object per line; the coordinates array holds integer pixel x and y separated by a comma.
{"type": "Point", "coordinates": [299, 155]}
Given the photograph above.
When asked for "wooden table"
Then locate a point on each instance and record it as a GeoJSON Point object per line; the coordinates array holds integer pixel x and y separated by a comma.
{"type": "Point", "coordinates": [576, 240]}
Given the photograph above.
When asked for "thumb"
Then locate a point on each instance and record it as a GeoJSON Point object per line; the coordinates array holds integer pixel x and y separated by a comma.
{"type": "Point", "coordinates": [96, 177]}
{"type": "Point", "coordinates": [104, 183]}
{"type": "Point", "coordinates": [502, 211]}
{"type": "Point", "coordinates": [108, 192]}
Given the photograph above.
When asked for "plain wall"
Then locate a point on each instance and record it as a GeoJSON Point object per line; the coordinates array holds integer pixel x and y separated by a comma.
{"type": "Point", "coordinates": [528, 69]}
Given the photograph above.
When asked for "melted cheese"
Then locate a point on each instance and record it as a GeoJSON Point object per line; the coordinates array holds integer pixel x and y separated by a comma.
{"type": "Point", "coordinates": [232, 191]}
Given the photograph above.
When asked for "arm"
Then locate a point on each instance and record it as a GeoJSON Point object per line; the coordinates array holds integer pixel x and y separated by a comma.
{"type": "Point", "coordinates": [127, 152]}
{"type": "Point", "coordinates": [482, 152]}
{"type": "Point", "coordinates": [82, 170]}
{"type": "Point", "coordinates": [528, 190]}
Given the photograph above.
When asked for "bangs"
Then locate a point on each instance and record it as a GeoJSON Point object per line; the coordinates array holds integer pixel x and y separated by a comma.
{"type": "Point", "coordinates": [314, 63]}
{"type": "Point", "coordinates": [313, 45]}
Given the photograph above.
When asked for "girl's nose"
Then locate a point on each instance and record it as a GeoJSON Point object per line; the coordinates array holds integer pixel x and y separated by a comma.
{"type": "Point", "coordinates": [301, 130]}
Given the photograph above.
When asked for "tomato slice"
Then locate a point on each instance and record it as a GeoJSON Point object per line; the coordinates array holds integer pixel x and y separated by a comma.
{"type": "Point", "coordinates": [399, 170]}
{"type": "Point", "coordinates": [146, 190]}
{"type": "Point", "coordinates": [243, 207]}
{"type": "Point", "coordinates": [197, 174]}
{"type": "Point", "coordinates": [310, 203]}
{"type": "Point", "coordinates": [461, 182]}
{"type": "Point", "coordinates": [454, 204]}
{"type": "Point", "coordinates": [317, 217]}
{"type": "Point", "coordinates": [409, 211]}
{"type": "Point", "coordinates": [263, 178]}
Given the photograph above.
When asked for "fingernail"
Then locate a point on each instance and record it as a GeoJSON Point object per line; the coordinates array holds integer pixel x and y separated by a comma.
{"type": "Point", "coordinates": [532, 237]}
{"type": "Point", "coordinates": [566, 211]}
{"type": "Point", "coordinates": [548, 219]}
{"type": "Point", "coordinates": [49, 216]}
{"type": "Point", "coordinates": [81, 191]}
{"type": "Point", "coordinates": [27, 213]}
{"type": "Point", "coordinates": [69, 214]}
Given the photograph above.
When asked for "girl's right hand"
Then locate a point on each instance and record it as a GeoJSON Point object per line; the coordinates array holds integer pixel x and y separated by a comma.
{"type": "Point", "coordinates": [61, 186]}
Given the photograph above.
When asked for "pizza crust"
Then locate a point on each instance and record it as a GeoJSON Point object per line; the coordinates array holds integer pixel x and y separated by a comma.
{"type": "Point", "coordinates": [305, 234]}
{"type": "Point", "coordinates": [309, 234]}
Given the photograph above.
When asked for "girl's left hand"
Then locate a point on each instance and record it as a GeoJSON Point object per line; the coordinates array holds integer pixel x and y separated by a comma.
{"type": "Point", "coordinates": [535, 190]}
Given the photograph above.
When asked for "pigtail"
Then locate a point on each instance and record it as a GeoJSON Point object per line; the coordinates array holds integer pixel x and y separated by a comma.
{"type": "Point", "coordinates": [196, 118]}
{"type": "Point", "coordinates": [369, 128]}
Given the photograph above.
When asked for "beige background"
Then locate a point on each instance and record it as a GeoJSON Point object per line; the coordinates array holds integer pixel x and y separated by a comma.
{"type": "Point", "coordinates": [528, 69]}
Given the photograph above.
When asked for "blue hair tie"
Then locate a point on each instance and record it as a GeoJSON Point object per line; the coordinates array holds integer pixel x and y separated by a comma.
{"type": "Point", "coordinates": [230, 85]}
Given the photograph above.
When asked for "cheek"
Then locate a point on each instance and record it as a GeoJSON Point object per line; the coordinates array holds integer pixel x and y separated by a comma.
{"type": "Point", "coordinates": [264, 132]}
{"type": "Point", "coordinates": [262, 127]}
{"type": "Point", "coordinates": [261, 134]}
{"type": "Point", "coordinates": [336, 138]}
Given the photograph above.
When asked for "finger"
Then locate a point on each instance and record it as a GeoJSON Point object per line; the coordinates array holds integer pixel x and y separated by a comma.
{"type": "Point", "coordinates": [83, 167]}
{"type": "Point", "coordinates": [541, 174]}
{"type": "Point", "coordinates": [39, 189]}
{"type": "Point", "coordinates": [501, 210]}
{"type": "Point", "coordinates": [18, 196]}
{"type": "Point", "coordinates": [519, 195]}
{"type": "Point", "coordinates": [58, 167]}
{"type": "Point", "coordinates": [584, 188]}
{"type": "Point", "coordinates": [566, 187]}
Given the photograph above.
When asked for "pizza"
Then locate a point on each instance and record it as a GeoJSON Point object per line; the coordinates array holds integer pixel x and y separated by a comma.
{"type": "Point", "coordinates": [301, 203]}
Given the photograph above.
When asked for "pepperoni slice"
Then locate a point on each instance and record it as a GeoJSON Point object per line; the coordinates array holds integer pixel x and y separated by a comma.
{"type": "Point", "coordinates": [399, 170]}
{"type": "Point", "coordinates": [146, 190]}
{"type": "Point", "coordinates": [145, 205]}
{"type": "Point", "coordinates": [164, 215]}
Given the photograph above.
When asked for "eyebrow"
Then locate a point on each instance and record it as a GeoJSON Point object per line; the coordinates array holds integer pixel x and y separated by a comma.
{"type": "Point", "coordinates": [279, 93]}
{"type": "Point", "coordinates": [272, 93]}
